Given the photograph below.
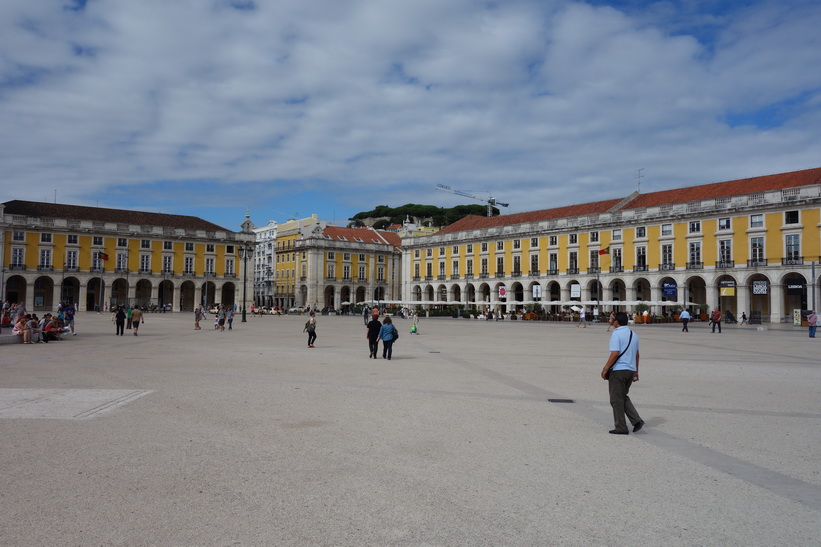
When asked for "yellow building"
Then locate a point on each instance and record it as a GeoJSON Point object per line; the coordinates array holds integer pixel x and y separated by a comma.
{"type": "Point", "coordinates": [285, 264]}
{"type": "Point", "coordinates": [742, 246]}
{"type": "Point", "coordinates": [54, 253]}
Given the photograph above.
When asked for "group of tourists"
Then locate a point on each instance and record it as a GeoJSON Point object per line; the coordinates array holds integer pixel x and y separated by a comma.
{"type": "Point", "coordinates": [33, 329]}
{"type": "Point", "coordinates": [128, 318]}
{"type": "Point", "coordinates": [223, 316]}
{"type": "Point", "coordinates": [384, 332]}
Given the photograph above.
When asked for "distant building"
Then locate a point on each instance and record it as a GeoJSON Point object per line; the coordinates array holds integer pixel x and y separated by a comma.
{"type": "Point", "coordinates": [286, 261]}
{"type": "Point", "coordinates": [264, 264]}
{"type": "Point", "coordinates": [93, 256]}
{"type": "Point", "coordinates": [340, 267]}
{"type": "Point", "coordinates": [746, 245]}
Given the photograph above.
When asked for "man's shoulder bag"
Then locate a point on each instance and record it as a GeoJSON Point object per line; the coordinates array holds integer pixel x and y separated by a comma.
{"type": "Point", "coordinates": [629, 341]}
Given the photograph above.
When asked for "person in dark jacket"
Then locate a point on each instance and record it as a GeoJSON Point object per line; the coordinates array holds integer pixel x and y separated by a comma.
{"type": "Point", "coordinates": [372, 334]}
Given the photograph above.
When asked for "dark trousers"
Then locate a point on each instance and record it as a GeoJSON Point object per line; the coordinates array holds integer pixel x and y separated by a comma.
{"type": "Point", "coordinates": [120, 327]}
{"type": "Point", "coordinates": [684, 325]}
{"type": "Point", "coordinates": [387, 348]}
{"type": "Point", "coordinates": [373, 346]}
{"type": "Point", "coordinates": [128, 323]}
{"type": "Point", "coordinates": [311, 336]}
{"type": "Point", "coordinates": [619, 384]}
{"type": "Point", "coordinates": [719, 326]}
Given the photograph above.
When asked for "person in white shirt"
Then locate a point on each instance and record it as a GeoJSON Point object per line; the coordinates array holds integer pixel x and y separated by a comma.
{"type": "Point", "coordinates": [685, 318]}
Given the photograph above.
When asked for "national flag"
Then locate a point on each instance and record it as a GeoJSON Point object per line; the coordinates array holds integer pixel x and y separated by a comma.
{"type": "Point", "coordinates": [104, 256]}
{"type": "Point", "coordinates": [605, 251]}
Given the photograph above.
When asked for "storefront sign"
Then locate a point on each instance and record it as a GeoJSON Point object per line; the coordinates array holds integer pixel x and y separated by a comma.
{"type": "Point", "coordinates": [726, 288]}
{"type": "Point", "coordinates": [795, 287]}
{"type": "Point", "coordinates": [669, 290]}
{"type": "Point", "coordinates": [761, 287]}
{"type": "Point", "coordinates": [575, 290]}
{"type": "Point", "coordinates": [502, 292]}
{"type": "Point", "coordinates": [537, 291]}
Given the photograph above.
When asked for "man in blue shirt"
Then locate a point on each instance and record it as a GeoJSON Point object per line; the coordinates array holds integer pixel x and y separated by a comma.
{"type": "Point", "coordinates": [623, 364]}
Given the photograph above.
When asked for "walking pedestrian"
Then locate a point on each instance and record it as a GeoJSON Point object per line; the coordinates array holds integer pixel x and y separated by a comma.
{"type": "Point", "coordinates": [128, 313]}
{"type": "Point", "coordinates": [372, 334]}
{"type": "Point", "coordinates": [388, 334]}
{"type": "Point", "coordinates": [812, 319]}
{"type": "Point", "coordinates": [230, 317]}
{"type": "Point", "coordinates": [715, 318]}
{"type": "Point", "coordinates": [582, 318]}
{"type": "Point", "coordinates": [611, 321]}
{"type": "Point", "coordinates": [198, 316]}
{"type": "Point", "coordinates": [685, 318]}
{"type": "Point", "coordinates": [136, 319]}
{"type": "Point", "coordinates": [621, 370]}
{"type": "Point", "coordinates": [119, 320]}
{"type": "Point", "coordinates": [68, 317]}
{"type": "Point", "coordinates": [744, 318]}
{"type": "Point", "coordinates": [310, 328]}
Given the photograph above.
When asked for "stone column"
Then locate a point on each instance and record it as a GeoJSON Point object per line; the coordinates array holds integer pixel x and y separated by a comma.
{"type": "Point", "coordinates": [777, 303]}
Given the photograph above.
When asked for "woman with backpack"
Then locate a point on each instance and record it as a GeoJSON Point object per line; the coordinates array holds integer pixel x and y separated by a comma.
{"type": "Point", "coordinates": [388, 334]}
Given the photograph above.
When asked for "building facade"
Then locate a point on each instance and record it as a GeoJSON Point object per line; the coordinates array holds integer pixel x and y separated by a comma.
{"type": "Point", "coordinates": [745, 246]}
{"type": "Point", "coordinates": [99, 258]}
{"type": "Point", "coordinates": [340, 267]}
{"type": "Point", "coordinates": [285, 265]}
{"type": "Point", "coordinates": [264, 263]}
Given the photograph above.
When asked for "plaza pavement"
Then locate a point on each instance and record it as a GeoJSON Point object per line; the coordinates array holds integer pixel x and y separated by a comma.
{"type": "Point", "coordinates": [183, 437]}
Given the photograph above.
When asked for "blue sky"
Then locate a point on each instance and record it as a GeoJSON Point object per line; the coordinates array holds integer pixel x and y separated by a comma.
{"type": "Point", "coordinates": [291, 107]}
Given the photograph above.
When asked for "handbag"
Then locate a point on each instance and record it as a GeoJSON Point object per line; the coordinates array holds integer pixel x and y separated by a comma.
{"type": "Point", "coordinates": [607, 374]}
{"type": "Point", "coordinates": [395, 334]}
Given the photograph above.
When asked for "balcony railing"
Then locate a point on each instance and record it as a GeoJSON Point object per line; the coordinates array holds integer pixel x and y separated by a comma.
{"type": "Point", "coordinates": [513, 274]}
{"type": "Point", "coordinates": [640, 268]}
{"type": "Point", "coordinates": [417, 278]}
{"type": "Point", "coordinates": [755, 262]}
{"type": "Point", "coordinates": [428, 278]}
{"type": "Point", "coordinates": [121, 270]}
{"type": "Point", "coordinates": [534, 273]}
{"type": "Point", "coordinates": [17, 267]}
{"type": "Point", "coordinates": [594, 270]}
{"type": "Point", "coordinates": [724, 264]}
{"type": "Point", "coordinates": [469, 275]}
{"type": "Point", "coordinates": [553, 271]}
{"type": "Point", "coordinates": [616, 269]}
{"type": "Point", "coordinates": [441, 277]}
{"type": "Point", "coordinates": [500, 274]}
{"type": "Point", "coordinates": [188, 274]}
{"type": "Point", "coordinates": [145, 271]}
{"type": "Point", "coordinates": [695, 265]}
{"type": "Point", "coordinates": [454, 276]}
{"type": "Point", "coordinates": [573, 271]}
{"type": "Point", "coordinates": [166, 271]}
{"type": "Point", "coordinates": [484, 275]}
{"type": "Point", "coordinates": [792, 261]}
{"type": "Point", "coordinates": [45, 268]}
{"type": "Point", "coordinates": [666, 267]}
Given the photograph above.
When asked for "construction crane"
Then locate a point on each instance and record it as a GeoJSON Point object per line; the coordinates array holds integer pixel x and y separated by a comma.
{"type": "Point", "coordinates": [491, 201]}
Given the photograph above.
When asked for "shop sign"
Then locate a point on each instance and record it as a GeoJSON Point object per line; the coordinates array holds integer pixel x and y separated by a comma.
{"type": "Point", "coordinates": [761, 287]}
{"type": "Point", "coordinates": [669, 289]}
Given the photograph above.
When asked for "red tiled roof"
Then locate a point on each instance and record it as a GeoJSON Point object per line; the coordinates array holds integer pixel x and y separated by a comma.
{"type": "Point", "coordinates": [121, 216]}
{"type": "Point", "coordinates": [367, 235]}
{"type": "Point", "coordinates": [730, 188]}
{"type": "Point", "coordinates": [473, 222]}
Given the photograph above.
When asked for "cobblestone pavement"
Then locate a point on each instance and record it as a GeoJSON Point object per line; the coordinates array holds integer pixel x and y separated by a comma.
{"type": "Point", "coordinates": [248, 437]}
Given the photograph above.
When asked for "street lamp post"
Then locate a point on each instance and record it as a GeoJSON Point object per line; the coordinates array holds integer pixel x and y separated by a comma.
{"type": "Point", "coordinates": [245, 252]}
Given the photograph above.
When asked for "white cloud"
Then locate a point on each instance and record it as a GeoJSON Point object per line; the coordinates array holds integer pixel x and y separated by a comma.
{"type": "Point", "coordinates": [543, 102]}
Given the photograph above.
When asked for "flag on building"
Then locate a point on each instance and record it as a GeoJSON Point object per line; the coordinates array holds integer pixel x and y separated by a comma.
{"type": "Point", "coordinates": [104, 256]}
{"type": "Point", "coordinates": [605, 251]}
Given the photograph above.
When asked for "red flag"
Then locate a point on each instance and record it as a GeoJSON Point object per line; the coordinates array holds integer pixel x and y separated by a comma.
{"type": "Point", "coordinates": [605, 251]}
{"type": "Point", "coordinates": [104, 256]}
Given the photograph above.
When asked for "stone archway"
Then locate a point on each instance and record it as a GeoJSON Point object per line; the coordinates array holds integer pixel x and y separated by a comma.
{"type": "Point", "coordinates": [43, 293]}
{"type": "Point", "coordinates": [142, 293]}
{"type": "Point", "coordinates": [70, 291]}
{"type": "Point", "coordinates": [16, 289]}
{"type": "Point", "coordinates": [228, 294]}
{"type": "Point", "coordinates": [794, 287]}
{"type": "Point", "coordinates": [187, 290]}
{"type": "Point", "coordinates": [165, 294]}
{"type": "Point", "coordinates": [119, 293]}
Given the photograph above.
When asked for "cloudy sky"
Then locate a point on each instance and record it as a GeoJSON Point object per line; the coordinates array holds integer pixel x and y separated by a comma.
{"type": "Point", "coordinates": [292, 107]}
